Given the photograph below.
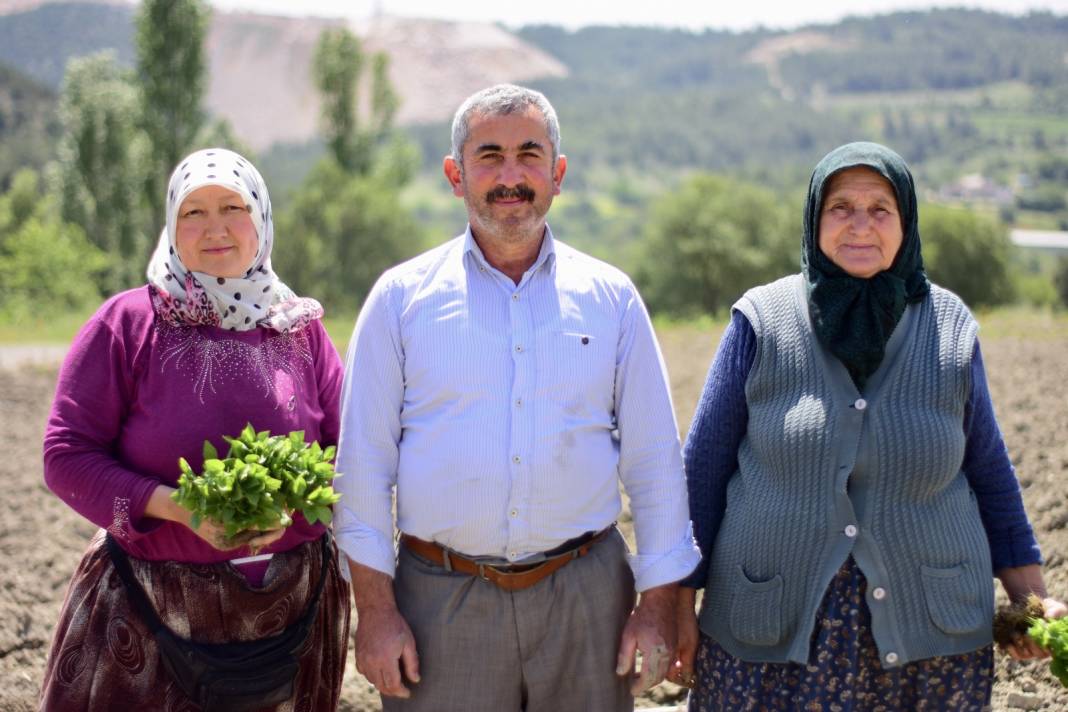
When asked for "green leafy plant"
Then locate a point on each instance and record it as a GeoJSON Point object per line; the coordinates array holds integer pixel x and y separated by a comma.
{"type": "Point", "coordinates": [260, 483]}
{"type": "Point", "coordinates": [1053, 636]}
{"type": "Point", "coordinates": [1026, 617]}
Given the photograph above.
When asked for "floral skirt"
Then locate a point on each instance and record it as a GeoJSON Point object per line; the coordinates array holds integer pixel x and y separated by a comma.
{"type": "Point", "coordinates": [104, 658]}
{"type": "Point", "coordinates": [844, 674]}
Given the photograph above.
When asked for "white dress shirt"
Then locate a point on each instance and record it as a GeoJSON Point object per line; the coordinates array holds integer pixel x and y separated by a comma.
{"type": "Point", "coordinates": [505, 415]}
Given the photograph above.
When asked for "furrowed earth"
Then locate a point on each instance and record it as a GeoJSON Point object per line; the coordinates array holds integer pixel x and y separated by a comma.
{"type": "Point", "coordinates": [41, 539]}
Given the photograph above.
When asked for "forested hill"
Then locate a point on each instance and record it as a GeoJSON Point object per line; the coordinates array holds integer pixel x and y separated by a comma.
{"type": "Point", "coordinates": [939, 85]}
{"type": "Point", "coordinates": [937, 49]}
{"type": "Point", "coordinates": [39, 42]}
{"type": "Point", "coordinates": [27, 123]}
{"type": "Point", "coordinates": [955, 91]}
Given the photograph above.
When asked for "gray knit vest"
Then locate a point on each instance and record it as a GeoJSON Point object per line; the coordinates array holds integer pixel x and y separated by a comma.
{"type": "Point", "coordinates": [825, 472]}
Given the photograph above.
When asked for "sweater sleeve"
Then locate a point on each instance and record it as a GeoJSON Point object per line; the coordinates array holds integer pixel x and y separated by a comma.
{"type": "Point", "coordinates": [329, 373]}
{"type": "Point", "coordinates": [93, 394]}
{"type": "Point", "coordinates": [991, 476]}
{"type": "Point", "coordinates": [719, 424]}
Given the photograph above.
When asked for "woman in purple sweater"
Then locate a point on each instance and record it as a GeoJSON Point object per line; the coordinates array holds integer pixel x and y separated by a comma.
{"type": "Point", "coordinates": [214, 341]}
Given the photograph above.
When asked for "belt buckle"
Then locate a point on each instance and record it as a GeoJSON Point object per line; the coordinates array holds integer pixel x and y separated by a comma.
{"type": "Point", "coordinates": [482, 572]}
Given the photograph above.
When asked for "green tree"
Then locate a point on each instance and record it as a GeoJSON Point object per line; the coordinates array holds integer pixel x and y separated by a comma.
{"type": "Point", "coordinates": [339, 232]}
{"type": "Point", "coordinates": [1060, 280]}
{"type": "Point", "coordinates": [28, 126]}
{"type": "Point", "coordinates": [172, 81]}
{"type": "Point", "coordinates": [47, 266]}
{"type": "Point", "coordinates": [338, 67]}
{"type": "Point", "coordinates": [712, 239]}
{"type": "Point", "coordinates": [101, 166]}
{"type": "Point", "coordinates": [967, 253]}
{"type": "Point", "coordinates": [1045, 198]}
{"type": "Point", "coordinates": [345, 224]}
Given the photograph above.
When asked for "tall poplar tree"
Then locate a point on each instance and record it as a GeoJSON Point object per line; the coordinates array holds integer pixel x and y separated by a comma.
{"type": "Point", "coordinates": [101, 166]}
{"type": "Point", "coordinates": [338, 68]}
{"type": "Point", "coordinates": [171, 75]}
{"type": "Point", "coordinates": [347, 213]}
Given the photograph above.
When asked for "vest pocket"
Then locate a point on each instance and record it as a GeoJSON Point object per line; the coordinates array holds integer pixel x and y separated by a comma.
{"type": "Point", "coordinates": [953, 599]}
{"type": "Point", "coordinates": [756, 610]}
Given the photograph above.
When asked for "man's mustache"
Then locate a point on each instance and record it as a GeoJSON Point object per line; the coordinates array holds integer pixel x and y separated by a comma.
{"type": "Point", "coordinates": [523, 192]}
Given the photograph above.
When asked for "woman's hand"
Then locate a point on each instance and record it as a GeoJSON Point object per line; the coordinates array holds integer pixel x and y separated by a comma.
{"type": "Point", "coordinates": [1024, 648]}
{"type": "Point", "coordinates": [254, 539]}
{"type": "Point", "coordinates": [161, 506]}
{"type": "Point", "coordinates": [681, 671]}
{"type": "Point", "coordinates": [1019, 583]}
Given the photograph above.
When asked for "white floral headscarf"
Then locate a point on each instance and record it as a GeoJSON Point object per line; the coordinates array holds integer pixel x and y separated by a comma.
{"type": "Point", "coordinates": [186, 298]}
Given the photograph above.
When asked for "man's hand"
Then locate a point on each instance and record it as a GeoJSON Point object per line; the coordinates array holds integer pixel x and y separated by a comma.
{"type": "Point", "coordinates": [651, 631]}
{"type": "Point", "coordinates": [681, 672]}
{"type": "Point", "coordinates": [384, 642]}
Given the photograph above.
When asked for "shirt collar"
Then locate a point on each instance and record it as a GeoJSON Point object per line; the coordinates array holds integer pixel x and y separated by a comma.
{"type": "Point", "coordinates": [546, 255]}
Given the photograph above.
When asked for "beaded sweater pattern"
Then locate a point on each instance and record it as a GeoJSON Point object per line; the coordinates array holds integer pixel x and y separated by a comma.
{"type": "Point", "coordinates": [210, 362]}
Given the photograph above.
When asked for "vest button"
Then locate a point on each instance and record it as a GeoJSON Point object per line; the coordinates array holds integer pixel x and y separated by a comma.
{"type": "Point", "coordinates": [860, 404]}
{"type": "Point", "coordinates": [879, 594]}
{"type": "Point", "coordinates": [850, 531]}
{"type": "Point", "coordinates": [891, 658]}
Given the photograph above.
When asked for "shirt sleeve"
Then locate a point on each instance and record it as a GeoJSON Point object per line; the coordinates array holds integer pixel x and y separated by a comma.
{"type": "Point", "coordinates": [717, 429]}
{"type": "Point", "coordinates": [93, 394]}
{"type": "Point", "coordinates": [372, 395]}
{"type": "Point", "coordinates": [992, 477]}
{"type": "Point", "coordinates": [650, 462]}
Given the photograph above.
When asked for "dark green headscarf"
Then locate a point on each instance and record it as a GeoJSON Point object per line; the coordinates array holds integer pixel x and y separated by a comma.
{"type": "Point", "coordinates": [852, 316]}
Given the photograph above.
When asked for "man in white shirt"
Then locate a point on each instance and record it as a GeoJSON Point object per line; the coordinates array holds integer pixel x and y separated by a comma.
{"type": "Point", "coordinates": [504, 384]}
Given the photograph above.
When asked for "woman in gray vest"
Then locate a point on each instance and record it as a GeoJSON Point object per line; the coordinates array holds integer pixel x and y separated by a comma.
{"type": "Point", "coordinates": [849, 487]}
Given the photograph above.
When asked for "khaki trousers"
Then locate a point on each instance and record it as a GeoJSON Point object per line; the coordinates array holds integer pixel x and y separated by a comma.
{"type": "Point", "coordinates": [548, 648]}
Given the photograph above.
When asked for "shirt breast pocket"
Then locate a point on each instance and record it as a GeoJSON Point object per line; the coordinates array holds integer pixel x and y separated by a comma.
{"type": "Point", "coordinates": [577, 369]}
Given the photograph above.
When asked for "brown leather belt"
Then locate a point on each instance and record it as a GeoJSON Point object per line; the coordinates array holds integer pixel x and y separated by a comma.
{"type": "Point", "coordinates": [510, 578]}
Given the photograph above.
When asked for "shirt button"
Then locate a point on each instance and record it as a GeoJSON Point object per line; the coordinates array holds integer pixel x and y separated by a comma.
{"type": "Point", "coordinates": [514, 513]}
{"type": "Point", "coordinates": [891, 658]}
{"type": "Point", "coordinates": [850, 531]}
{"type": "Point", "coordinates": [518, 402]}
{"type": "Point", "coordinates": [512, 554]}
{"type": "Point", "coordinates": [860, 404]}
{"type": "Point", "coordinates": [515, 459]}
{"type": "Point", "coordinates": [515, 297]}
{"type": "Point", "coordinates": [879, 594]}
{"type": "Point", "coordinates": [519, 348]}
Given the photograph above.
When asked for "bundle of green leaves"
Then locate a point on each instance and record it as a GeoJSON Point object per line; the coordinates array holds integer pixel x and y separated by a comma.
{"type": "Point", "coordinates": [1027, 617]}
{"type": "Point", "coordinates": [262, 480]}
{"type": "Point", "coordinates": [1053, 635]}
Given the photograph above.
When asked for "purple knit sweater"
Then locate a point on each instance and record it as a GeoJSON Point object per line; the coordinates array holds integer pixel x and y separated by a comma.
{"type": "Point", "coordinates": [134, 395]}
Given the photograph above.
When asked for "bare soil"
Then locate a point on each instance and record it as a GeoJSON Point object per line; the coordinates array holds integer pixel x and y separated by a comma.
{"type": "Point", "coordinates": [41, 540]}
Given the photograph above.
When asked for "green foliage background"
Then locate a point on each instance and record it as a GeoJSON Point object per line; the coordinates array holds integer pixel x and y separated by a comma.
{"type": "Point", "coordinates": [689, 151]}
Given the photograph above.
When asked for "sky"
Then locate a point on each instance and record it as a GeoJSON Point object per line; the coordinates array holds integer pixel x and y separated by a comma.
{"type": "Point", "coordinates": [690, 14]}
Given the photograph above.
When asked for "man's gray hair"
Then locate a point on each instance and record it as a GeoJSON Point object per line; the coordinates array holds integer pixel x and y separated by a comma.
{"type": "Point", "coordinates": [500, 100]}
